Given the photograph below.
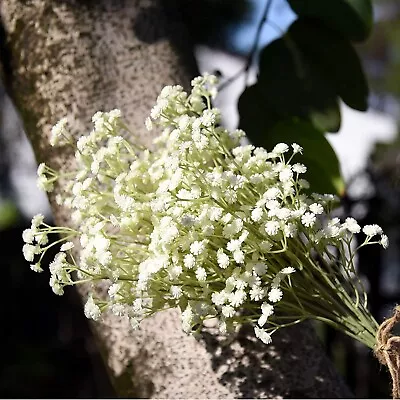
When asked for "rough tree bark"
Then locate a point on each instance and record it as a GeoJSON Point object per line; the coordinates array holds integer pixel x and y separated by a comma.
{"type": "Point", "coordinates": [72, 58]}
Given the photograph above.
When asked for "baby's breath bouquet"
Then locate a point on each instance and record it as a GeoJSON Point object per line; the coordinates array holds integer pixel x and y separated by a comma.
{"type": "Point", "coordinates": [219, 230]}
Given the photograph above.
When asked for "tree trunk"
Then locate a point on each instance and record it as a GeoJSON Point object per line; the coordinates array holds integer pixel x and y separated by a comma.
{"type": "Point", "coordinates": [73, 58]}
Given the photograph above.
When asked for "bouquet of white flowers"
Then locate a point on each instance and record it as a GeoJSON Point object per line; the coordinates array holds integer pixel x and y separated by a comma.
{"type": "Point", "coordinates": [201, 223]}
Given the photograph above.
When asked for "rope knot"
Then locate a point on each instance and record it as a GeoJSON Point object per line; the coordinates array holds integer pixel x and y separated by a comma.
{"type": "Point", "coordinates": [387, 350]}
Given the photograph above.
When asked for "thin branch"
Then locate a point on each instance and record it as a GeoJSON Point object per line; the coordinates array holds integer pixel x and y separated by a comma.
{"type": "Point", "coordinates": [250, 57]}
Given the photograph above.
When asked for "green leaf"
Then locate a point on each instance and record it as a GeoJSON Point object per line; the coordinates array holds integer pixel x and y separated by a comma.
{"type": "Point", "coordinates": [353, 18]}
{"type": "Point", "coordinates": [323, 166]}
{"type": "Point", "coordinates": [8, 214]}
{"type": "Point", "coordinates": [255, 117]}
{"type": "Point", "coordinates": [331, 53]}
{"type": "Point", "coordinates": [291, 85]}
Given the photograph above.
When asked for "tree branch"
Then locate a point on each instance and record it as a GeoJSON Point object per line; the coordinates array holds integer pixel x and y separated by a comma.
{"type": "Point", "coordinates": [250, 57]}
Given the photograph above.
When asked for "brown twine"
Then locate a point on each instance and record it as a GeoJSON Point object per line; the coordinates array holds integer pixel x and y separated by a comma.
{"type": "Point", "coordinates": [388, 350]}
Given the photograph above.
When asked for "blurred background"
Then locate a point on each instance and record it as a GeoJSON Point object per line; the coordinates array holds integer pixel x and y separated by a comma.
{"type": "Point", "coordinates": [50, 350]}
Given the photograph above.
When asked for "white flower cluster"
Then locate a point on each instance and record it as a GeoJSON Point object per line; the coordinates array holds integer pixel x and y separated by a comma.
{"type": "Point", "coordinates": [219, 230]}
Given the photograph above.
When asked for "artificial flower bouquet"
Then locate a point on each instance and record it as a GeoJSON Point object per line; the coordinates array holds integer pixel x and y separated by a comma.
{"type": "Point", "coordinates": [202, 223]}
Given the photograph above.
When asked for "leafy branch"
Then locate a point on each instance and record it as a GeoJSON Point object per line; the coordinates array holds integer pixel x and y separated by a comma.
{"type": "Point", "coordinates": [250, 57]}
